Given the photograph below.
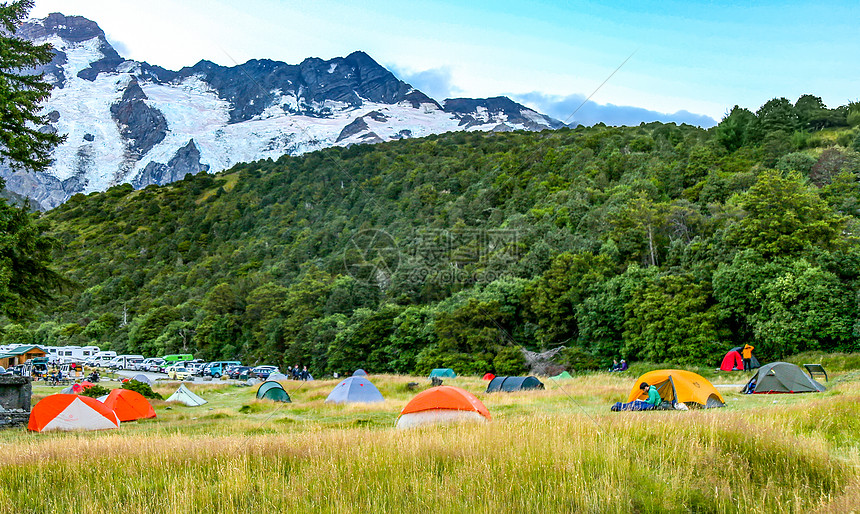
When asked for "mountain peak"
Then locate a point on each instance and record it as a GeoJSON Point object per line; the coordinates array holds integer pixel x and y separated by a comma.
{"type": "Point", "coordinates": [74, 29]}
{"type": "Point", "coordinates": [129, 121]}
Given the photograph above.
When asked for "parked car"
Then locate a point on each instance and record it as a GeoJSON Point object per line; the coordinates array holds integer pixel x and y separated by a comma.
{"type": "Point", "coordinates": [194, 367]}
{"type": "Point", "coordinates": [155, 365]}
{"type": "Point", "coordinates": [240, 372]}
{"type": "Point", "coordinates": [144, 364]}
{"type": "Point", "coordinates": [263, 372]}
{"type": "Point", "coordinates": [216, 369]}
{"type": "Point", "coordinates": [178, 372]}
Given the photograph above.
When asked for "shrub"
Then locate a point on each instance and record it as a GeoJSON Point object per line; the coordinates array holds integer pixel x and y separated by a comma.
{"type": "Point", "coordinates": [95, 391]}
{"type": "Point", "coordinates": [142, 388]}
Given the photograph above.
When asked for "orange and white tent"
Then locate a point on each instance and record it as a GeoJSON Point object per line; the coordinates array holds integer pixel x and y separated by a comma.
{"type": "Point", "coordinates": [129, 405]}
{"type": "Point", "coordinates": [443, 404]}
{"type": "Point", "coordinates": [71, 412]}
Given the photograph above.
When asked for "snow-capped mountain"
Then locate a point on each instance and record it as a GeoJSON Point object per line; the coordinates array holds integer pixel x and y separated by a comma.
{"type": "Point", "coordinates": [129, 121]}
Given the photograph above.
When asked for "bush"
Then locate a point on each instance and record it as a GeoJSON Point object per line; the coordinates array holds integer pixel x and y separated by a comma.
{"type": "Point", "coordinates": [142, 388]}
{"type": "Point", "coordinates": [845, 139]}
{"type": "Point", "coordinates": [95, 391]}
{"type": "Point", "coordinates": [509, 361]}
{"type": "Point", "coordinates": [578, 359]}
{"type": "Point", "coordinates": [796, 161]}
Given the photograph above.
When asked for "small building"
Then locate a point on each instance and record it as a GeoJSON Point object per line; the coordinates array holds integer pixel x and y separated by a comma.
{"type": "Point", "coordinates": [20, 355]}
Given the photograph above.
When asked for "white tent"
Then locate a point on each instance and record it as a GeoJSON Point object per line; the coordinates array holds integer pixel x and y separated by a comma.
{"type": "Point", "coordinates": [184, 395]}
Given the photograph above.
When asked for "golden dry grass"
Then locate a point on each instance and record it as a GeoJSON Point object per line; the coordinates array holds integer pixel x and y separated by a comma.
{"type": "Point", "coordinates": [558, 449]}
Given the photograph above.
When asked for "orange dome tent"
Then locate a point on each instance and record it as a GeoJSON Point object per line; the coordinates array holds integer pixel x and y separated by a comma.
{"type": "Point", "coordinates": [488, 376]}
{"type": "Point", "coordinates": [677, 385]}
{"type": "Point", "coordinates": [71, 412]}
{"type": "Point", "coordinates": [129, 405]}
{"type": "Point", "coordinates": [443, 404]}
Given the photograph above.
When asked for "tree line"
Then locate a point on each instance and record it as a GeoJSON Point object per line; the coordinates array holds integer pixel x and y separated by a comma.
{"type": "Point", "coordinates": [658, 242]}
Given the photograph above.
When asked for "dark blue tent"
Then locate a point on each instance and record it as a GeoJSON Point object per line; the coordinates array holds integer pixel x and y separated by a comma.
{"type": "Point", "coordinates": [510, 384]}
{"type": "Point", "coordinates": [355, 390]}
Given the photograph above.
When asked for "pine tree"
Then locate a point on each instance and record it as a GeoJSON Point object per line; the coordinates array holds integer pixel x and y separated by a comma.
{"type": "Point", "coordinates": [26, 277]}
{"type": "Point", "coordinates": [22, 144]}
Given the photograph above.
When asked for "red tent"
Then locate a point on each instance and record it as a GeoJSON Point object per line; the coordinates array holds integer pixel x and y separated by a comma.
{"type": "Point", "coordinates": [732, 362]}
{"type": "Point", "coordinates": [129, 405]}
{"type": "Point", "coordinates": [489, 376]}
{"type": "Point", "coordinates": [443, 404]}
{"type": "Point", "coordinates": [71, 412]}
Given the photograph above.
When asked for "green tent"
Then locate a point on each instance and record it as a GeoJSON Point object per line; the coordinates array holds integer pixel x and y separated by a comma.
{"type": "Point", "coordinates": [561, 376]}
{"type": "Point", "coordinates": [274, 391]}
{"type": "Point", "coordinates": [443, 372]}
{"type": "Point", "coordinates": [781, 377]}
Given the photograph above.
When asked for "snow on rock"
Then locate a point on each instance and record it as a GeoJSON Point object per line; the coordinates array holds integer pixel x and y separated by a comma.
{"type": "Point", "coordinates": [114, 113]}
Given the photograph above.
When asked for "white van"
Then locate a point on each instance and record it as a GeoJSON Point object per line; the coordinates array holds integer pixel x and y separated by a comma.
{"type": "Point", "coordinates": [101, 359]}
{"type": "Point", "coordinates": [125, 361]}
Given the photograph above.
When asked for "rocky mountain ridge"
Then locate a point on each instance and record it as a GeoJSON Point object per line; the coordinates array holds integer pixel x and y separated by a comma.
{"type": "Point", "coordinates": [130, 121]}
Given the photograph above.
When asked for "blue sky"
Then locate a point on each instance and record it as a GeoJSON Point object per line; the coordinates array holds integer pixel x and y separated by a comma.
{"type": "Point", "coordinates": [688, 57]}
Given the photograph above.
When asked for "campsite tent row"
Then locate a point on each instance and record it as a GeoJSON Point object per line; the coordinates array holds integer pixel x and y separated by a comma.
{"type": "Point", "coordinates": [75, 412]}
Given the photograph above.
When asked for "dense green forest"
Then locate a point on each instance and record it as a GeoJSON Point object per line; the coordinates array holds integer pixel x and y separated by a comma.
{"type": "Point", "coordinates": [659, 242]}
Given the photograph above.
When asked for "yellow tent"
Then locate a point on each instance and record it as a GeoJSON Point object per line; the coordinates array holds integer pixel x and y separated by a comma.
{"type": "Point", "coordinates": [681, 386]}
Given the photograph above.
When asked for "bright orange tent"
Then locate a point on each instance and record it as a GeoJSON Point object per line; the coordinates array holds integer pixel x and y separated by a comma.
{"type": "Point", "coordinates": [443, 404]}
{"type": "Point", "coordinates": [488, 376]}
{"type": "Point", "coordinates": [71, 412]}
{"type": "Point", "coordinates": [681, 386]}
{"type": "Point", "coordinates": [129, 405]}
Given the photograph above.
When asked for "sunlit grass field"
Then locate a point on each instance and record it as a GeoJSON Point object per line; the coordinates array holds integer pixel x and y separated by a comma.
{"type": "Point", "coordinates": [557, 450]}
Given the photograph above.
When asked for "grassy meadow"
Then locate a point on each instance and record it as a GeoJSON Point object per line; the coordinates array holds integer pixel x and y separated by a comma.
{"type": "Point", "coordinates": [558, 450]}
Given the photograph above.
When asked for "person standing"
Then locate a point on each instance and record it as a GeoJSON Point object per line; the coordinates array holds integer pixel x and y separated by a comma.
{"type": "Point", "coordinates": [746, 353]}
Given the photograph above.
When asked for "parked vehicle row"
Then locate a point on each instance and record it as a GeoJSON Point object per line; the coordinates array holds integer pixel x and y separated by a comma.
{"type": "Point", "coordinates": [181, 366]}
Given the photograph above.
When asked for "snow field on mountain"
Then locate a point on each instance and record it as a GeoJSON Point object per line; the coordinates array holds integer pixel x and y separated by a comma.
{"type": "Point", "coordinates": [84, 108]}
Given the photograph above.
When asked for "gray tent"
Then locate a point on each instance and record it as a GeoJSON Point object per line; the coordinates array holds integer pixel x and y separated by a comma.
{"type": "Point", "coordinates": [271, 390]}
{"type": "Point", "coordinates": [782, 377]}
{"type": "Point", "coordinates": [355, 390]}
{"type": "Point", "coordinates": [360, 373]}
{"type": "Point", "coordinates": [140, 377]}
{"type": "Point", "coordinates": [509, 384]}
{"type": "Point", "coordinates": [277, 377]}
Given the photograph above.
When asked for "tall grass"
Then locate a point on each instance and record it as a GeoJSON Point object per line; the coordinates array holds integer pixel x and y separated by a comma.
{"type": "Point", "coordinates": [555, 450]}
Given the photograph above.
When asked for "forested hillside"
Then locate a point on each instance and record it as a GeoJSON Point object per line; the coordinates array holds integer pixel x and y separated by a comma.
{"type": "Point", "coordinates": [659, 242]}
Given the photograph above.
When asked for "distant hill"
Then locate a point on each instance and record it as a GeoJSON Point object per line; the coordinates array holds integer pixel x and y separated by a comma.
{"type": "Point", "coordinates": [659, 242]}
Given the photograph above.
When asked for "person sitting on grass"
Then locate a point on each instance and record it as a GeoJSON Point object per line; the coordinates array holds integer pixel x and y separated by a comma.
{"type": "Point", "coordinates": [653, 401]}
{"type": "Point", "coordinates": [615, 366]}
{"type": "Point", "coordinates": [623, 365]}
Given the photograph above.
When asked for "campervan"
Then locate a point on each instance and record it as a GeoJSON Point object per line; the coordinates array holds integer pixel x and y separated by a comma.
{"type": "Point", "coordinates": [68, 354]}
{"type": "Point", "coordinates": [177, 357]}
{"type": "Point", "coordinates": [100, 359]}
{"type": "Point", "coordinates": [125, 361]}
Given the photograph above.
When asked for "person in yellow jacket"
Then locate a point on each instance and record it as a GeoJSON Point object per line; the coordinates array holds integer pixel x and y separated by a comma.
{"type": "Point", "coordinates": [746, 353]}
